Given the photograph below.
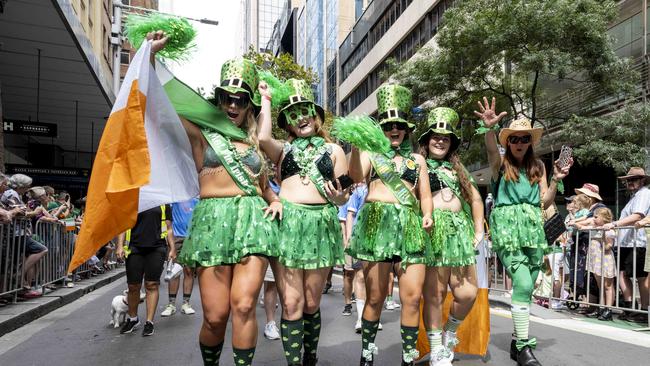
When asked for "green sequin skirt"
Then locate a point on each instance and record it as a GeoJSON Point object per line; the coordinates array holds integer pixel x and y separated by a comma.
{"type": "Point", "coordinates": [310, 236]}
{"type": "Point", "coordinates": [387, 230]}
{"type": "Point", "coordinates": [517, 226]}
{"type": "Point", "coordinates": [223, 230]}
{"type": "Point", "coordinates": [452, 240]}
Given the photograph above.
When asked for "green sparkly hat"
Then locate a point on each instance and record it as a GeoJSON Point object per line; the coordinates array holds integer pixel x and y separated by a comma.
{"type": "Point", "coordinates": [300, 93]}
{"type": "Point", "coordinates": [240, 75]}
{"type": "Point", "coordinates": [394, 104]}
{"type": "Point", "coordinates": [442, 121]}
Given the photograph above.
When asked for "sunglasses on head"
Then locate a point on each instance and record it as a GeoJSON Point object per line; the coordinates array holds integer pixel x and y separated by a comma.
{"type": "Point", "coordinates": [520, 139]}
{"type": "Point", "coordinates": [400, 126]}
{"type": "Point", "coordinates": [240, 101]}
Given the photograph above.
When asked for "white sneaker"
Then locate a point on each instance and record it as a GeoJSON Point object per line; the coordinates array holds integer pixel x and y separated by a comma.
{"type": "Point", "coordinates": [271, 331]}
{"type": "Point", "coordinates": [396, 305]}
{"type": "Point", "coordinates": [381, 327]}
{"type": "Point", "coordinates": [357, 326]}
{"type": "Point", "coordinates": [390, 305]}
{"type": "Point", "coordinates": [450, 341]}
{"type": "Point", "coordinates": [170, 310]}
{"type": "Point", "coordinates": [440, 356]}
{"type": "Point", "coordinates": [186, 309]}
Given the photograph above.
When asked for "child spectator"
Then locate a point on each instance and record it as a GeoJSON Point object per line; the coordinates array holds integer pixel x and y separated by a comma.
{"type": "Point", "coordinates": [602, 266]}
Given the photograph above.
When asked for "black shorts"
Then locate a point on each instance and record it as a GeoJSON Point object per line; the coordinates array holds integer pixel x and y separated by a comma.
{"type": "Point", "coordinates": [147, 262]}
{"type": "Point", "coordinates": [627, 262]}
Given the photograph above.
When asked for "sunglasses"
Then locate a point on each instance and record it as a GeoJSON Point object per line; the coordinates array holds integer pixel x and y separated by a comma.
{"type": "Point", "coordinates": [520, 139]}
{"type": "Point", "coordinates": [387, 127]}
{"type": "Point", "coordinates": [240, 101]}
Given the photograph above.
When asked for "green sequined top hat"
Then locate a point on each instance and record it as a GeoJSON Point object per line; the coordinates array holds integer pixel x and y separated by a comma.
{"type": "Point", "coordinates": [394, 104]}
{"type": "Point", "coordinates": [240, 75]}
{"type": "Point", "coordinates": [300, 93]}
{"type": "Point", "coordinates": [442, 121]}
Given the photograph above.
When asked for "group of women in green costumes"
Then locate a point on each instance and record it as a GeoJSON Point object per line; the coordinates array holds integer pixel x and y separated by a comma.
{"type": "Point", "coordinates": [422, 219]}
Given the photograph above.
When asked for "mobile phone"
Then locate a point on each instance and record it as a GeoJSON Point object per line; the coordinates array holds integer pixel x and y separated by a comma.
{"type": "Point", "coordinates": [566, 153]}
{"type": "Point", "coordinates": [345, 181]}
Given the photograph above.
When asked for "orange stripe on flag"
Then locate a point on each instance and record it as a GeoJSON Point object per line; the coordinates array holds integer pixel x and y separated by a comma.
{"type": "Point", "coordinates": [121, 167]}
{"type": "Point", "coordinates": [473, 334]}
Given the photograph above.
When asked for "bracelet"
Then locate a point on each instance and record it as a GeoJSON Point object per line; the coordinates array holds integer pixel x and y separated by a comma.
{"type": "Point", "coordinates": [481, 130]}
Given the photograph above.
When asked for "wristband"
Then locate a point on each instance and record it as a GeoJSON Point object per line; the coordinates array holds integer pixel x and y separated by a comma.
{"type": "Point", "coordinates": [483, 130]}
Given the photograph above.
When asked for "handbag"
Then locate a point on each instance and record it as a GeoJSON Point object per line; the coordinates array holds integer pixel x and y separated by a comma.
{"type": "Point", "coordinates": [554, 226]}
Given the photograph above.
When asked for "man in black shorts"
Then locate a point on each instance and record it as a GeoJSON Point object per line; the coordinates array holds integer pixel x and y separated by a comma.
{"type": "Point", "coordinates": [150, 242]}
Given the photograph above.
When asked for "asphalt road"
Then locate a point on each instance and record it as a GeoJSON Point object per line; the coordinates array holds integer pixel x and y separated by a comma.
{"type": "Point", "coordinates": [78, 334]}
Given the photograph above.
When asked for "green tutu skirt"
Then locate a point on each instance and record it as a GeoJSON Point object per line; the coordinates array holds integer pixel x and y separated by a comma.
{"type": "Point", "coordinates": [517, 226]}
{"type": "Point", "coordinates": [452, 240]}
{"type": "Point", "coordinates": [223, 230]}
{"type": "Point", "coordinates": [387, 230]}
{"type": "Point", "coordinates": [310, 236]}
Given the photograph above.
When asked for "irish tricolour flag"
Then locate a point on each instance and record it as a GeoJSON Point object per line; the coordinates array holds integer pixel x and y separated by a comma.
{"type": "Point", "coordinates": [144, 160]}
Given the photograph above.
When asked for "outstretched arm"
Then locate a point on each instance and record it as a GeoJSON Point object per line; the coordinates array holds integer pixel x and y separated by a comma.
{"type": "Point", "coordinates": [490, 118]}
{"type": "Point", "coordinates": [359, 165]}
{"type": "Point", "coordinates": [271, 147]}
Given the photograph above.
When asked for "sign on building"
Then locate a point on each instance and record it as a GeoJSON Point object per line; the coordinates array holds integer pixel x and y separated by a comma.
{"type": "Point", "coordinates": [29, 128]}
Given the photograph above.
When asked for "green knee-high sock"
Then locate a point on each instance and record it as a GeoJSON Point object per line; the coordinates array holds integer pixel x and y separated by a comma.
{"type": "Point", "coordinates": [292, 334]}
{"type": "Point", "coordinates": [520, 314]}
{"type": "Point", "coordinates": [211, 354]}
{"type": "Point", "coordinates": [435, 338]}
{"type": "Point", "coordinates": [243, 357]}
{"type": "Point", "coordinates": [452, 324]}
{"type": "Point", "coordinates": [368, 334]}
{"type": "Point", "coordinates": [312, 324]}
{"type": "Point", "coordinates": [409, 338]}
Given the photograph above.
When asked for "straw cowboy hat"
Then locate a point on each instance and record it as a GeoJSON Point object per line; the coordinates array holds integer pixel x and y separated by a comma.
{"type": "Point", "coordinates": [520, 125]}
{"type": "Point", "coordinates": [636, 172]}
{"type": "Point", "coordinates": [590, 190]}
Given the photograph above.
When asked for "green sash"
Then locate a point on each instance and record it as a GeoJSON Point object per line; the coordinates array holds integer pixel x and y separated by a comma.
{"type": "Point", "coordinates": [320, 147]}
{"type": "Point", "coordinates": [391, 179]}
{"type": "Point", "coordinates": [227, 154]}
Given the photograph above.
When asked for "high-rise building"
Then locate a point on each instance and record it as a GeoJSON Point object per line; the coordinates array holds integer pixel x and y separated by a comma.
{"type": "Point", "coordinates": [259, 18]}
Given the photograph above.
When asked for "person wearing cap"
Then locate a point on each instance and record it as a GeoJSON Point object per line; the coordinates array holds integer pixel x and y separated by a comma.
{"type": "Point", "coordinates": [458, 218]}
{"type": "Point", "coordinates": [232, 232]}
{"type": "Point", "coordinates": [633, 242]}
{"type": "Point", "coordinates": [520, 184]}
{"type": "Point", "coordinates": [310, 233]}
{"type": "Point", "coordinates": [390, 233]}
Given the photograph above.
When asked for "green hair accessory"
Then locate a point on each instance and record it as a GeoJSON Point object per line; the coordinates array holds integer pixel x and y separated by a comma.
{"type": "Point", "coordinates": [279, 90]}
{"type": "Point", "coordinates": [180, 32]}
{"type": "Point", "coordinates": [362, 132]}
{"type": "Point", "coordinates": [296, 112]}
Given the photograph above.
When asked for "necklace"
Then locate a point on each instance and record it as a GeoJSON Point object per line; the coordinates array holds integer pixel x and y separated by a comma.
{"type": "Point", "coordinates": [305, 156]}
{"type": "Point", "coordinates": [238, 156]}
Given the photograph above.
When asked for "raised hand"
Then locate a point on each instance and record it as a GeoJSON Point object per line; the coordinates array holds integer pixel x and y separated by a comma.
{"type": "Point", "coordinates": [488, 112]}
{"type": "Point", "coordinates": [159, 39]}
{"type": "Point", "coordinates": [561, 172]}
{"type": "Point", "coordinates": [264, 89]}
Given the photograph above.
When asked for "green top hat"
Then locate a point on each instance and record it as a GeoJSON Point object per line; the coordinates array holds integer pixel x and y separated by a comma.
{"type": "Point", "coordinates": [299, 94]}
{"type": "Point", "coordinates": [394, 104]}
{"type": "Point", "coordinates": [240, 75]}
{"type": "Point", "coordinates": [442, 121]}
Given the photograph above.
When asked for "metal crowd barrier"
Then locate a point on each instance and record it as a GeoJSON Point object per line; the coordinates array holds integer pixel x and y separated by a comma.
{"type": "Point", "coordinates": [52, 268]}
{"type": "Point", "coordinates": [576, 254]}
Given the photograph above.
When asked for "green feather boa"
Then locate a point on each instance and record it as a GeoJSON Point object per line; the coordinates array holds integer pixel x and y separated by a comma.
{"type": "Point", "coordinates": [279, 91]}
{"type": "Point", "coordinates": [180, 32]}
{"type": "Point", "coordinates": [362, 132]}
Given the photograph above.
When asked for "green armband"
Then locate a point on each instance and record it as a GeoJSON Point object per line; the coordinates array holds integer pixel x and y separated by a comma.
{"type": "Point", "coordinates": [560, 185]}
{"type": "Point", "coordinates": [481, 129]}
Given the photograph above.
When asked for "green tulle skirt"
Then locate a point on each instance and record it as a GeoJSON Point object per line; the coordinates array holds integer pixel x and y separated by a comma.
{"type": "Point", "coordinates": [387, 230]}
{"type": "Point", "coordinates": [517, 226]}
{"type": "Point", "coordinates": [223, 230]}
{"type": "Point", "coordinates": [310, 236]}
{"type": "Point", "coordinates": [452, 240]}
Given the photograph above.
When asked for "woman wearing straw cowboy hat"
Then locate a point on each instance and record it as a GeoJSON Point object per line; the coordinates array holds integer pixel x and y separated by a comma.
{"type": "Point", "coordinates": [232, 233]}
{"type": "Point", "coordinates": [520, 184]}
{"type": "Point", "coordinates": [458, 218]}
{"type": "Point", "coordinates": [631, 241]}
{"type": "Point", "coordinates": [390, 230]}
{"type": "Point", "coordinates": [310, 234]}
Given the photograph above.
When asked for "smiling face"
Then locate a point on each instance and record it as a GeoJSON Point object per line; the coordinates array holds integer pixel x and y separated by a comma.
{"type": "Point", "coordinates": [519, 143]}
{"type": "Point", "coordinates": [439, 146]}
{"type": "Point", "coordinates": [395, 131]}
{"type": "Point", "coordinates": [235, 106]}
{"type": "Point", "coordinates": [306, 127]}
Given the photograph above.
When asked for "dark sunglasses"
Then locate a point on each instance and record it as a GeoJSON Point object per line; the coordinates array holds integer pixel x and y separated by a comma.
{"type": "Point", "coordinates": [520, 139]}
{"type": "Point", "coordinates": [240, 101]}
{"type": "Point", "coordinates": [387, 127]}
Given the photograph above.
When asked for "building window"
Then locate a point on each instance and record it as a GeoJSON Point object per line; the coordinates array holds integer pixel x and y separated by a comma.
{"type": "Point", "coordinates": [125, 57]}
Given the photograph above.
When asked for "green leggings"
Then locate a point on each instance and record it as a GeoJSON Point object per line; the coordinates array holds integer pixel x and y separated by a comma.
{"type": "Point", "coordinates": [523, 266]}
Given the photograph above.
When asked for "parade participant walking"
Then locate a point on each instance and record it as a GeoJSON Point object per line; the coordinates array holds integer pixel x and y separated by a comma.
{"type": "Point", "coordinates": [181, 214]}
{"type": "Point", "coordinates": [148, 244]}
{"type": "Point", "coordinates": [232, 234]}
{"type": "Point", "coordinates": [458, 217]}
{"type": "Point", "coordinates": [310, 234]}
{"type": "Point", "coordinates": [521, 189]}
{"type": "Point", "coordinates": [390, 232]}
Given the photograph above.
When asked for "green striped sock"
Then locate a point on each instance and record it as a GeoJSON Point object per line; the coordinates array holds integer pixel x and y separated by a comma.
{"type": "Point", "coordinates": [211, 354]}
{"type": "Point", "coordinates": [452, 324]}
{"type": "Point", "coordinates": [520, 318]}
{"type": "Point", "coordinates": [435, 338]}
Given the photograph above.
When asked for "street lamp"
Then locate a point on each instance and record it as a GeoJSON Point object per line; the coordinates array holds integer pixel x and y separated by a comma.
{"type": "Point", "coordinates": [116, 33]}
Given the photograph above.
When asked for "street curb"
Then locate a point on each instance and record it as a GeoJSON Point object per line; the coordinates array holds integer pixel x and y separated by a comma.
{"type": "Point", "coordinates": [36, 308]}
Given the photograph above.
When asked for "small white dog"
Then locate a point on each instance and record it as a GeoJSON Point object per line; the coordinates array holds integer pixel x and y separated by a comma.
{"type": "Point", "coordinates": [119, 308]}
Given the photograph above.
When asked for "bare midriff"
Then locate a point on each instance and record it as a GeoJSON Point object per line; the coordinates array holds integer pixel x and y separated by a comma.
{"type": "Point", "coordinates": [453, 205]}
{"type": "Point", "coordinates": [378, 192]}
{"type": "Point", "coordinates": [300, 190]}
{"type": "Point", "coordinates": [220, 185]}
